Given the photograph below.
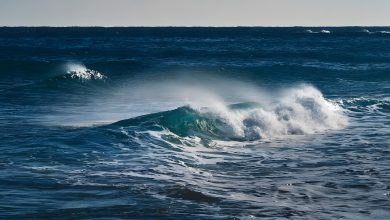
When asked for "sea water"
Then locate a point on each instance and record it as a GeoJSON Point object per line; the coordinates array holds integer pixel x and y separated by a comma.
{"type": "Point", "coordinates": [195, 123]}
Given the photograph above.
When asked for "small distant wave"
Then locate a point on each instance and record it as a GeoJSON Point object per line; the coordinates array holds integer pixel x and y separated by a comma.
{"type": "Point", "coordinates": [318, 32]}
{"type": "Point", "coordinates": [325, 31]}
{"type": "Point", "coordinates": [301, 111]}
{"type": "Point", "coordinates": [375, 32]}
{"type": "Point", "coordinates": [74, 78]}
{"type": "Point", "coordinates": [80, 72]}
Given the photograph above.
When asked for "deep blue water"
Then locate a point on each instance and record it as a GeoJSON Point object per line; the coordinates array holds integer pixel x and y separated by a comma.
{"type": "Point", "coordinates": [195, 123]}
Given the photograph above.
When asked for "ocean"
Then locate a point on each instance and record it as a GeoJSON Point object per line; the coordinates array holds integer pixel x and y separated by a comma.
{"type": "Point", "coordinates": [195, 123]}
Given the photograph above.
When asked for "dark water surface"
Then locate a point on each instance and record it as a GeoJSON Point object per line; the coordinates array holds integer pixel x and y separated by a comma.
{"type": "Point", "coordinates": [195, 123]}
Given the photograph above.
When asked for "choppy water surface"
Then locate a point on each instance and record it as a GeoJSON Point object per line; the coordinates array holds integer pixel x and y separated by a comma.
{"type": "Point", "coordinates": [195, 123]}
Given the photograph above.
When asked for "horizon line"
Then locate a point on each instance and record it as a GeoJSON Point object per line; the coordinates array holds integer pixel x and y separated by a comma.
{"type": "Point", "coordinates": [191, 26]}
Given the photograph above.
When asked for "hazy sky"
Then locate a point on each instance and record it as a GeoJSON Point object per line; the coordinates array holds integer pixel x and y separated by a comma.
{"type": "Point", "coordinates": [194, 12]}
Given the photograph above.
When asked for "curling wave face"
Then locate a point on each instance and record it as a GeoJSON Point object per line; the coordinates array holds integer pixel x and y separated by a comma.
{"type": "Point", "coordinates": [300, 111]}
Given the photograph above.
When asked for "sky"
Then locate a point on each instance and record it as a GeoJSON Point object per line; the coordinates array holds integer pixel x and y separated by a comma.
{"type": "Point", "coordinates": [194, 12]}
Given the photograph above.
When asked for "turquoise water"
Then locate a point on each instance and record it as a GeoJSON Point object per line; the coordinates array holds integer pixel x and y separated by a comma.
{"type": "Point", "coordinates": [195, 123]}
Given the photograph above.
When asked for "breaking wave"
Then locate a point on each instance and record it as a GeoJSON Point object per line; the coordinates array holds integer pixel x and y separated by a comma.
{"type": "Point", "coordinates": [302, 110]}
